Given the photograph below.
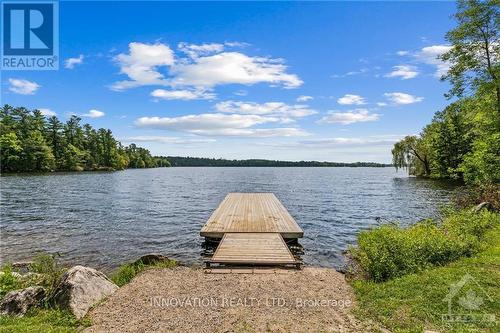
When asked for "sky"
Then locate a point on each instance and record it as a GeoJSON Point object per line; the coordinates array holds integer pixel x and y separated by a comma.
{"type": "Point", "coordinates": [326, 81]}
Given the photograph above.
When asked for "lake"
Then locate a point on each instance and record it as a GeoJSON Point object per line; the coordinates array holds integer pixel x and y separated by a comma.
{"type": "Point", "coordinates": [105, 219]}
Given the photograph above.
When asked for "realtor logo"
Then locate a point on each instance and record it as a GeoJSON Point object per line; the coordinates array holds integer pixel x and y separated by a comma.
{"type": "Point", "coordinates": [470, 298]}
{"type": "Point", "coordinates": [30, 35]}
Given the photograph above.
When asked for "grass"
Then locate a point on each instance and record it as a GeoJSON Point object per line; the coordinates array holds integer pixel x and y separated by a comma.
{"type": "Point", "coordinates": [125, 273]}
{"type": "Point", "coordinates": [47, 272]}
{"type": "Point", "coordinates": [390, 251]}
{"type": "Point", "coordinates": [49, 320]}
{"type": "Point", "coordinates": [38, 319]}
{"type": "Point", "coordinates": [414, 302]}
{"type": "Point", "coordinates": [42, 321]}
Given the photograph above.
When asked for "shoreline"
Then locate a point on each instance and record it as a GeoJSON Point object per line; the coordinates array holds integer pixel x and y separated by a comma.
{"type": "Point", "coordinates": [42, 173]}
{"type": "Point", "coordinates": [183, 299]}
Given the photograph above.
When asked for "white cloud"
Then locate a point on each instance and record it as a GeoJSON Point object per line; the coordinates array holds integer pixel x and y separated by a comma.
{"type": "Point", "coordinates": [166, 139]}
{"type": "Point", "coordinates": [205, 67]}
{"type": "Point", "coordinates": [203, 122]}
{"type": "Point", "coordinates": [219, 124]}
{"type": "Point", "coordinates": [351, 73]}
{"type": "Point", "coordinates": [232, 68]}
{"type": "Point", "coordinates": [94, 114]}
{"type": "Point", "coordinates": [237, 44]}
{"type": "Point", "coordinates": [47, 112]}
{"type": "Point", "coordinates": [195, 51]}
{"type": "Point", "coordinates": [185, 95]}
{"type": "Point", "coordinates": [273, 132]}
{"type": "Point", "coordinates": [276, 109]}
{"type": "Point", "coordinates": [400, 98]}
{"type": "Point", "coordinates": [350, 99]}
{"type": "Point", "coordinates": [405, 72]}
{"type": "Point", "coordinates": [71, 62]}
{"type": "Point", "coordinates": [141, 65]}
{"type": "Point", "coordinates": [23, 87]}
{"type": "Point", "coordinates": [402, 53]}
{"type": "Point", "coordinates": [349, 117]}
{"type": "Point", "coordinates": [304, 98]}
{"type": "Point", "coordinates": [428, 55]}
{"type": "Point", "coordinates": [374, 140]}
{"type": "Point", "coordinates": [381, 104]}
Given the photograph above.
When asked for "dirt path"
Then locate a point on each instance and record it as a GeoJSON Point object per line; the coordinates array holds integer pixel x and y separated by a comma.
{"type": "Point", "coordinates": [188, 300]}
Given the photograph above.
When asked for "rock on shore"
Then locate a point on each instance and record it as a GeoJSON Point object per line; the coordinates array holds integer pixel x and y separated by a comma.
{"type": "Point", "coordinates": [80, 288]}
{"type": "Point", "coordinates": [18, 302]}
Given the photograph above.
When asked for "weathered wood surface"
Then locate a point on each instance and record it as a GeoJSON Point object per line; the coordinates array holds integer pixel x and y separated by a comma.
{"type": "Point", "coordinates": [251, 212]}
{"type": "Point", "coordinates": [253, 248]}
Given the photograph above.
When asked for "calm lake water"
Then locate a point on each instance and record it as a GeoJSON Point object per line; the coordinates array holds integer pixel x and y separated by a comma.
{"type": "Point", "coordinates": [105, 219]}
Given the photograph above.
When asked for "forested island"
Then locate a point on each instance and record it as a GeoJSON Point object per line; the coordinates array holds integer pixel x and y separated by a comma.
{"type": "Point", "coordinates": [31, 142]}
{"type": "Point", "coordinates": [177, 161]}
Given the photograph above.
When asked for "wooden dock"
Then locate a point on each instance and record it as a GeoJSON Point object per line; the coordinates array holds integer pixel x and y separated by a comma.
{"type": "Point", "coordinates": [251, 212]}
{"type": "Point", "coordinates": [252, 227]}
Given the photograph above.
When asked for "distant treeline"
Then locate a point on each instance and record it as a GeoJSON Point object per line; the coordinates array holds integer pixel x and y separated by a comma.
{"type": "Point", "coordinates": [30, 142]}
{"type": "Point", "coordinates": [177, 161]}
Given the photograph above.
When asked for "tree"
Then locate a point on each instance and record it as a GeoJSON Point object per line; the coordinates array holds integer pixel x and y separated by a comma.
{"type": "Point", "coordinates": [73, 132]}
{"type": "Point", "coordinates": [449, 138]}
{"type": "Point", "coordinates": [36, 155]}
{"type": "Point", "coordinates": [475, 48]}
{"type": "Point", "coordinates": [410, 153]}
{"type": "Point", "coordinates": [482, 165]}
{"type": "Point", "coordinates": [10, 147]}
{"type": "Point", "coordinates": [53, 133]}
{"type": "Point", "coordinates": [30, 142]}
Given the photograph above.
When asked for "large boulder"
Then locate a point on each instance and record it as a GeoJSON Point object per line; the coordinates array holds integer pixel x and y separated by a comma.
{"type": "Point", "coordinates": [18, 302]}
{"type": "Point", "coordinates": [80, 288]}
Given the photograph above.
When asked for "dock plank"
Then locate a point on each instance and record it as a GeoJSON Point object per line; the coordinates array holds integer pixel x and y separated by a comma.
{"type": "Point", "coordinates": [251, 212]}
{"type": "Point", "coordinates": [253, 248]}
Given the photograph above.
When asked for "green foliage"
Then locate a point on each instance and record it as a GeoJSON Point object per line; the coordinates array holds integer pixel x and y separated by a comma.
{"type": "Point", "coordinates": [125, 273]}
{"type": "Point", "coordinates": [43, 321]}
{"type": "Point", "coordinates": [475, 50]}
{"type": "Point", "coordinates": [390, 251]}
{"type": "Point", "coordinates": [411, 153]}
{"type": "Point", "coordinates": [10, 146]}
{"type": "Point", "coordinates": [482, 164]}
{"type": "Point", "coordinates": [31, 143]}
{"type": "Point", "coordinates": [449, 137]}
{"type": "Point", "coordinates": [139, 157]}
{"type": "Point", "coordinates": [47, 272]}
{"type": "Point", "coordinates": [463, 140]}
{"type": "Point", "coordinates": [9, 281]}
{"type": "Point", "coordinates": [50, 270]}
{"type": "Point", "coordinates": [414, 302]}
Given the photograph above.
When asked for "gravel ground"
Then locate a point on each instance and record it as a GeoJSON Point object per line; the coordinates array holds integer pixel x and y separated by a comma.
{"type": "Point", "coordinates": [186, 299]}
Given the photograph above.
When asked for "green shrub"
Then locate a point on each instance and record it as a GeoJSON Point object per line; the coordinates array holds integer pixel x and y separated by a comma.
{"type": "Point", "coordinates": [47, 273]}
{"type": "Point", "coordinates": [125, 273]}
{"type": "Point", "coordinates": [390, 251]}
{"type": "Point", "coordinates": [413, 303]}
{"type": "Point", "coordinates": [49, 269]}
{"type": "Point", "coordinates": [9, 281]}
